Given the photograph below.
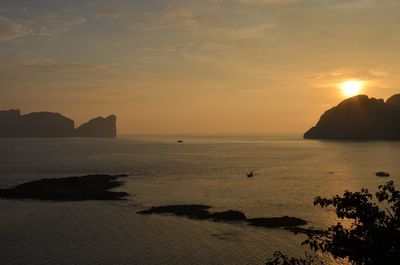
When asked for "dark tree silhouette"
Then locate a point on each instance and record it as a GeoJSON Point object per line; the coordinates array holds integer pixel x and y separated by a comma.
{"type": "Point", "coordinates": [373, 236]}
{"type": "Point", "coordinates": [281, 259]}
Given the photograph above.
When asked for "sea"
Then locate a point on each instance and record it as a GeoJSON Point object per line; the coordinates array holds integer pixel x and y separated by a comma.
{"type": "Point", "coordinates": [204, 169]}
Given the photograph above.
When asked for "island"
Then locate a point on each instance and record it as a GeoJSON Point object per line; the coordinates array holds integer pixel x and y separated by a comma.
{"type": "Point", "coordinates": [360, 118]}
{"type": "Point", "coordinates": [36, 124]}
{"type": "Point", "coordinates": [98, 127]}
{"type": "Point", "coordinates": [51, 124]}
{"type": "Point", "coordinates": [83, 188]}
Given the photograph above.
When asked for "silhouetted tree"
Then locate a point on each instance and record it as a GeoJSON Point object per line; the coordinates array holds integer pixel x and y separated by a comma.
{"type": "Point", "coordinates": [373, 237]}
{"type": "Point", "coordinates": [281, 259]}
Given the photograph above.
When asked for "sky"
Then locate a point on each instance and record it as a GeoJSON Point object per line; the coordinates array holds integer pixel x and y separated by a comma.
{"type": "Point", "coordinates": [202, 66]}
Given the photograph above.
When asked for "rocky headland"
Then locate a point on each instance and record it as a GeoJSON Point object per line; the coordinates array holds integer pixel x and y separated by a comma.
{"type": "Point", "coordinates": [360, 118]}
{"type": "Point", "coordinates": [50, 124]}
{"type": "Point", "coordinates": [101, 127]}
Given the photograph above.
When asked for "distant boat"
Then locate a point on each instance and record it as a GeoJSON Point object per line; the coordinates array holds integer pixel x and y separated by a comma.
{"type": "Point", "coordinates": [382, 174]}
{"type": "Point", "coordinates": [180, 141]}
{"type": "Point", "coordinates": [250, 174]}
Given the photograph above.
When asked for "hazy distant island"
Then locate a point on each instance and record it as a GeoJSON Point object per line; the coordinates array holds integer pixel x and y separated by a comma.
{"type": "Point", "coordinates": [50, 124]}
{"type": "Point", "coordinates": [360, 118]}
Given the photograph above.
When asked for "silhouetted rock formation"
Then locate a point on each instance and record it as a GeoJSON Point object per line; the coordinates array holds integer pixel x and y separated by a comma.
{"type": "Point", "coordinates": [196, 211]}
{"type": "Point", "coordinates": [49, 124]}
{"type": "Point", "coordinates": [93, 187]}
{"type": "Point", "coordinates": [192, 211]}
{"type": "Point", "coordinates": [98, 127]}
{"type": "Point", "coordinates": [271, 222]}
{"type": "Point", "coordinates": [10, 123]}
{"type": "Point", "coordinates": [394, 100]}
{"type": "Point", "coordinates": [360, 118]}
{"type": "Point", "coordinates": [301, 230]}
{"type": "Point", "coordinates": [229, 215]}
{"type": "Point", "coordinates": [36, 124]}
{"type": "Point", "coordinates": [201, 212]}
{"type": "Point", "coordinates": [46, 124]}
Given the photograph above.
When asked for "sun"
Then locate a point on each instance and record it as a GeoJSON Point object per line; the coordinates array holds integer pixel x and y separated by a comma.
{"type": "Point", "coordinates": [351, 88]}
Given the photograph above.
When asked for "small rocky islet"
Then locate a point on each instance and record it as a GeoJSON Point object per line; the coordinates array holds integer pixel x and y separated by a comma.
{"type": "Point", "coordinates": [83, 188]}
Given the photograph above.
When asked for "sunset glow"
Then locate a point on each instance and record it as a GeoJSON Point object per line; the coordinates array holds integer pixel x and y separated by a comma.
{"type": "Point", "coordinates": [212, 66]}
{"type": "Point", "coordinates": [199, 132]}
{"type": "Point", "coordinates": [351, 88]}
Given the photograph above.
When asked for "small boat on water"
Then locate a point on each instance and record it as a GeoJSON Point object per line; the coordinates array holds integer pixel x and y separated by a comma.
{"type": "Point", "coordinates": [180, 141]}
{"type": "Point", "coordinates": [250, 174]}
{"type": "Point", "coordinates": [382, 174]}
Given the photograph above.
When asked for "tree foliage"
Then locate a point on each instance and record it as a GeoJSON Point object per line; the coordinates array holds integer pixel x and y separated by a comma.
{"type": "Point", "coordinates": [281, 259]}
{"type": "Point", "coordinates": [372, 238]}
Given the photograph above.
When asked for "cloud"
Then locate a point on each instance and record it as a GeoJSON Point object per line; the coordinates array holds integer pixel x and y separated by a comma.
{"type": "Point", "coordinates": [266, 2]}
{"type": "Point", "coordinates": [109, 11]}
{"type": "Point", "coordinates": [255, 32]}
{"type": "Point", "coordinates": [165, 49]}
{"type": "Point", "coordinates": [10, 30]}
{"type": "Point", "coordinates": [145, 20]}
{"type": "Point", "coordinates": [357, 4]}
{"type": "Point", "coordinates": [316, 76]}
{"type": "Point", "coordinates": [38, 24]}
{"type": "Point", "coordinates": [51, 66]}
{"type": "Point", "coordinates": [378, 73]}
{"type": "Point", "coordinates": [181, 16]}
{"type": "Point", "coordinates": [336, 73]}
{"type": "Point", "coordinates": [52, 25]}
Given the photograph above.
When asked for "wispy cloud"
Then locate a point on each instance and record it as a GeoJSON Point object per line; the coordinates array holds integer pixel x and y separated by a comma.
{"type": "Point", "coordinates": [38, 24]}
{"type": "Point", "coordinates": [52, 67]}
{"type": "Point", "coordinates": [52, 25]}
{"type": "Point", "coordinates": [266, 2]}
{"type": "Point", "coordinates": [379, 72]}
{"type": "Point", "coordinates": [11, 30]}
{"type": "Point", "coordinates": [251, 32]}
{"type": "Point", "coordinates": [165, 49]}
{"type": "Point", "coordinates": [148, 20]}
{"type": "Point", "coordinates": [182, 16]}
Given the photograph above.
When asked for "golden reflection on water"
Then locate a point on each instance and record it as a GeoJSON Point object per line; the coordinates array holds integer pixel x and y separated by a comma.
{"type": "Point", "coordinates": [290, 173]}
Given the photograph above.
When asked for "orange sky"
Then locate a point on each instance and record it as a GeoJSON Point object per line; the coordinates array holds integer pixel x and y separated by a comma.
{"type": "Point", "coordinates": [210, 66]}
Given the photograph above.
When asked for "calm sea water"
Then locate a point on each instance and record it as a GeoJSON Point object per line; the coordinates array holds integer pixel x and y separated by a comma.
{"type": "Point", "coordinates": [205, 169]}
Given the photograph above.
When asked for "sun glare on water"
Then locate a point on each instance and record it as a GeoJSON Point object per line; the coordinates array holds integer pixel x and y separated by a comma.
{"type": "Point", "coordinates": [351, 88]}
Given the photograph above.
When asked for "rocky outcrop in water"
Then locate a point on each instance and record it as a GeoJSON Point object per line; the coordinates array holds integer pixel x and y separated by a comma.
{"type": "Point", "coordinates": [360, 118]}
{"type": "Point", "coordinates": [50, 124]}
{"type": "Point", "coordinates": [201, 212]}
{"type": "Point", "coordinates": [284, 221]}
{"type": "Point", "coordinates": [196, 211]}
{"type": "Point", "coordinates": [98, 127]}
{"type": "Point", "coordinates": [92, 187]}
